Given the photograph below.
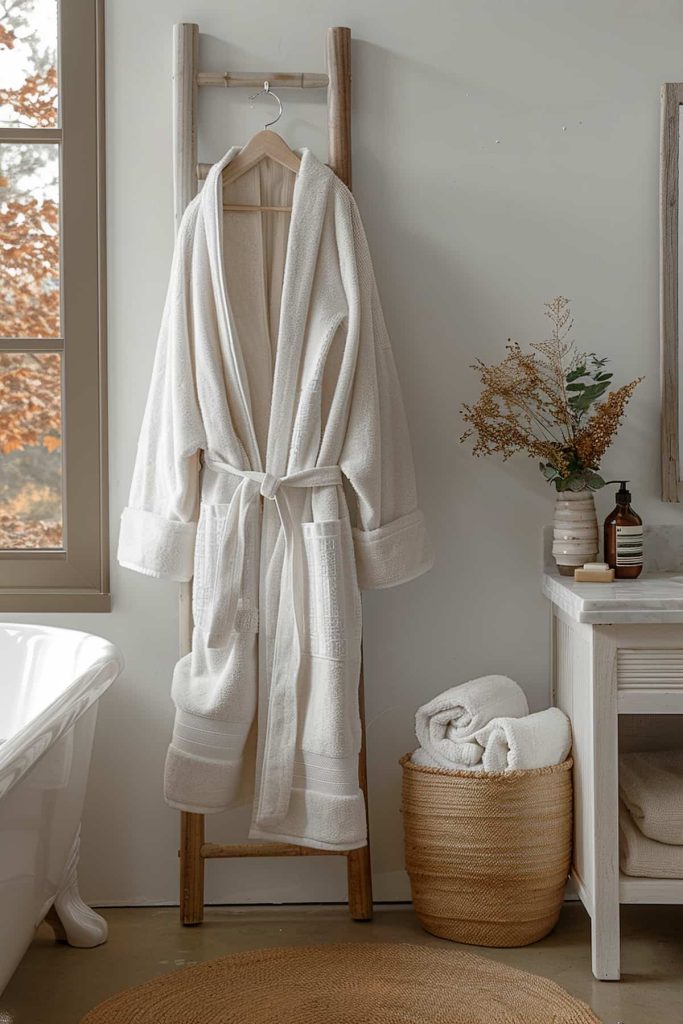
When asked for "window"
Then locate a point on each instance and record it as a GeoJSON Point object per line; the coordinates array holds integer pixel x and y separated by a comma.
{"type": "Point", "coordinates": [53, 528]}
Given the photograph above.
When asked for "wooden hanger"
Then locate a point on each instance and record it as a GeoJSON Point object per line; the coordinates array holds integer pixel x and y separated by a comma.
{"type": "Point", "coordinates": [265, 145]}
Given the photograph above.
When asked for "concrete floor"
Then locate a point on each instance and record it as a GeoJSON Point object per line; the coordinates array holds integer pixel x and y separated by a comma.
{"type": "Point", "coordinates": [56, 984]}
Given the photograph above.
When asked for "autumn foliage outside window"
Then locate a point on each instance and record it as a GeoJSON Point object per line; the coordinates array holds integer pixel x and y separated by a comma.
{"type": "Point", "coordinates": [30, 382]}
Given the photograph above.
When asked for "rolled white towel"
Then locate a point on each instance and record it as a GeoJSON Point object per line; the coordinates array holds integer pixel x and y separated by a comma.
{"type": "Point", "coordinates": [446, 726]}
{"type": "Point", "coordinates": [536, 741]}
{"type": "Point", "coordinates": [425, 760]}
{"type": "Point", "coordinates": [651, 786]}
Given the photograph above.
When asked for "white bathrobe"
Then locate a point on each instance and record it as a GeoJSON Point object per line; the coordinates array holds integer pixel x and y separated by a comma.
{"type": "Point", "coordinates": [273, 468]}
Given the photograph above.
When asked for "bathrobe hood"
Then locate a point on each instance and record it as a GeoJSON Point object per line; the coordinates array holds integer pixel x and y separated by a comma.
{"type": "Point", "coordinates": [274, 470]}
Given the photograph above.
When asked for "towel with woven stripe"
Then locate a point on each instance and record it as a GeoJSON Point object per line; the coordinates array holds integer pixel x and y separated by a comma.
{"type": "Point", "coordinates": [644, 857]}
{"type": "Point", "coordinates": [651, 786]}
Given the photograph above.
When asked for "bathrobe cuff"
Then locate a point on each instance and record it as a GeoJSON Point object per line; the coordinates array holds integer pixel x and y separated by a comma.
{"type": "Point", "coordinates": [395, 553]}
{"type": "Point", "coordinates": [155, 546]}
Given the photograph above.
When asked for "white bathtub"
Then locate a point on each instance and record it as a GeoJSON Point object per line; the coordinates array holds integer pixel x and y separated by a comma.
{"type": "Point", "coordinates": [50, 681]}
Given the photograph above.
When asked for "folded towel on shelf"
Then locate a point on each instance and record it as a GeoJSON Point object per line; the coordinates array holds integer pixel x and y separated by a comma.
{"type": "Point", "coordinates": [445, 727]}
{"type": "Point", "coordinates": [644, 857]}
{"type": "Point", "coordinates": [536, 741]}
{"type": "Point", "coordinates": [651, 786]}
{"type": "Point", "coordinates": [424, 759]}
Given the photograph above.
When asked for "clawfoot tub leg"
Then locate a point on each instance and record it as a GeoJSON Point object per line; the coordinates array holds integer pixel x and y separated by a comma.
{"type": "Point", "coordinates": [72, 920]}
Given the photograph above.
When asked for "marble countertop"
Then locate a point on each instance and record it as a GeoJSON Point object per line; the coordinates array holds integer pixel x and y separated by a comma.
{"type": "Point", "coordinates": [653, 597]}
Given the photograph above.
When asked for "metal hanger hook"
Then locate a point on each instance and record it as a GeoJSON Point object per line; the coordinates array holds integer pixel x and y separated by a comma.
{"type": "Point", "coordinates": [266, 88]}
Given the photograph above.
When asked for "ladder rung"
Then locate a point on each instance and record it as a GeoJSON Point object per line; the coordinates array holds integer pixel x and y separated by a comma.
{"type": "Point", "coordinates": [255, 79]}
{"type": "Point", "coordinates": [210, 850]}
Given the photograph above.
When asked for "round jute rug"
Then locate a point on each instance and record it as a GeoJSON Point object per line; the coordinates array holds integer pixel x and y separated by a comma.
{"type": "Point", "coordinates": [354, 983]}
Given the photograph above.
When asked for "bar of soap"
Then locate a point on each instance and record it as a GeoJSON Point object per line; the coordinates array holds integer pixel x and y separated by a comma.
{"type": "Point", "coordinates": [594, 572]}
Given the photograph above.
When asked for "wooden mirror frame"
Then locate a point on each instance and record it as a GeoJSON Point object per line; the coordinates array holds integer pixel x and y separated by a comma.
{"type": "Point", "coordinates": [672, 99]}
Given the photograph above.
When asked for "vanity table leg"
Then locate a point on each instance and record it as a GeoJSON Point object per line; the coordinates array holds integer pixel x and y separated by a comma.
{"type": "Point", "coordinates": [605, 743]}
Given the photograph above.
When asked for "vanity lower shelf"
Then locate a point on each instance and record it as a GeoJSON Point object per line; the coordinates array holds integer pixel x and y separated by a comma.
{"type": "Point", "coordinates": [650, 890]}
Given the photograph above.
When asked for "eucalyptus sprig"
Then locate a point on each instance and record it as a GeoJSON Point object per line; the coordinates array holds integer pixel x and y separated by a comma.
{"type": "Point", "coordinates": [587, 383]}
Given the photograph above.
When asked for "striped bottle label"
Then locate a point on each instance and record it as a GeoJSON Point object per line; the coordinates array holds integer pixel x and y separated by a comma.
{"type": "Point", "coordinates": [629, 545]}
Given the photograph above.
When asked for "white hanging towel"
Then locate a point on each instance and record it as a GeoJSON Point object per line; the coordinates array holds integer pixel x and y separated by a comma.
{"type": "Point", "coordinates": [536, 741]}
{"type": "Point", "coordinates": [644, 857]}
{"type": "Point", "coordinates": [651, 786]}
{"type": "Point", "coordinates": [446, 726]}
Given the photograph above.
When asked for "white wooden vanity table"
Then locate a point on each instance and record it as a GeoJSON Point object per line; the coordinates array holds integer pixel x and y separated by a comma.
{"type": "Point", "coordinates": [617, 649]}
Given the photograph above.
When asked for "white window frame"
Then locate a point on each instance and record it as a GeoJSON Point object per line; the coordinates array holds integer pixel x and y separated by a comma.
{"type": "Point", "coordinates": [76, 577]}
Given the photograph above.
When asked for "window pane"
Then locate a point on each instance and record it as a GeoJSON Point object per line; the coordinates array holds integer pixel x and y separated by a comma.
{"type": "Point", "coordinates": [29, 240]}
{"type": "Point", "coordinates": [30, 450]}
{"type": "Point", "coordinates": [28, 63]}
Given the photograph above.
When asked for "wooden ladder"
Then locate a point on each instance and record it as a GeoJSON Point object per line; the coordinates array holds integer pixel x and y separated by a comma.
{"type": "Point", "coordinates": [187, 79]}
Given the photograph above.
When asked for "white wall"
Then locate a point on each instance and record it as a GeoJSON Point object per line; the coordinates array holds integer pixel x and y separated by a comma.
{"type": "Point", "coordinates": [505, 151]}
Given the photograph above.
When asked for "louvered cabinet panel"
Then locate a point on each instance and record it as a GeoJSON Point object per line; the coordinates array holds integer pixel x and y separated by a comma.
{"type": "Point", "coordinates": [650, 680]}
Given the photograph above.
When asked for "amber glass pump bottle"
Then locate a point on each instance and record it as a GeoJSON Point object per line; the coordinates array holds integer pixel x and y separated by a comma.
{"type": "Point", "coordinates": [624, 537]}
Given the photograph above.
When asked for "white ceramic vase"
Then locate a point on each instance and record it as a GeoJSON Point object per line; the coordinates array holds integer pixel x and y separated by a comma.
{"type": "Point", "coordinates": [575, 531]}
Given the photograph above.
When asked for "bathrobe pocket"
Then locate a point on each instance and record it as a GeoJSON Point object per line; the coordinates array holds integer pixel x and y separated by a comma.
{"type": "Point", "coordinates": [332, 606]}
{"type": "Point", "coordinates": [214, 575]}
{"type": "Point", "coordinates": [210, 533]}
{"type": "Point", "coordinates": [331, 656]}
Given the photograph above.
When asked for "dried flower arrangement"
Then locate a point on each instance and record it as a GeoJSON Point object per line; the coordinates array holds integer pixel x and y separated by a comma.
{"type": "Point", "coordinates": [547, 402]}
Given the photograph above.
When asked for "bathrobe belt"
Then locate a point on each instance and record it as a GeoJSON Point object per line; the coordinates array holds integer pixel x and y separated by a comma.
{"type": "Point", "coordinates": [281, 732]}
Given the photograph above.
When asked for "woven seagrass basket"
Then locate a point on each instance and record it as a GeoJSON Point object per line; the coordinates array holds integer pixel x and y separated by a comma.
{"type": "Point", "coordinates": [488, 854]}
